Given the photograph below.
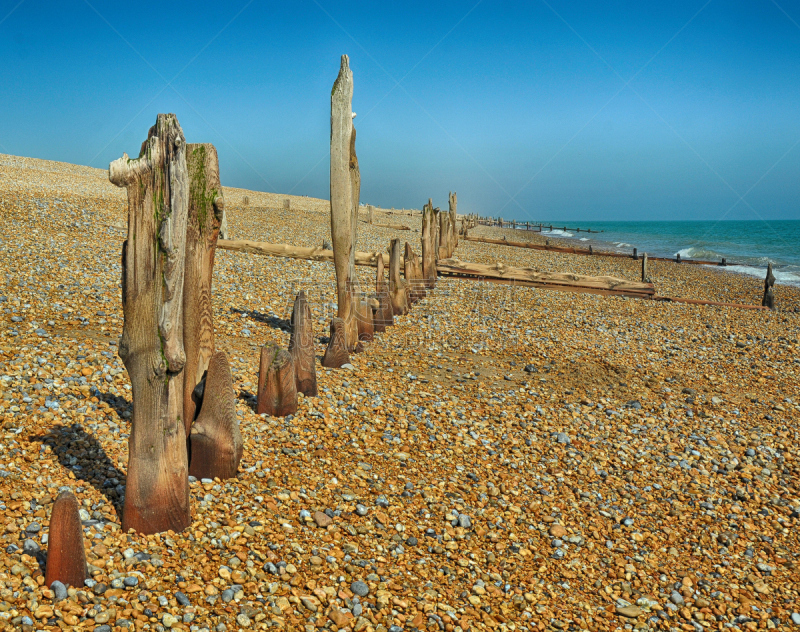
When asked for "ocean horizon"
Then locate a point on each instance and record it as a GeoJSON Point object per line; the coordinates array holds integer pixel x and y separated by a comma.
{"type": "Point", "coordinates": [747, 245]}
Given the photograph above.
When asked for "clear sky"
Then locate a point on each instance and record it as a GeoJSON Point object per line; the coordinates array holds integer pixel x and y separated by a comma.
{"type": "Point", "coordinates": [539, 110]}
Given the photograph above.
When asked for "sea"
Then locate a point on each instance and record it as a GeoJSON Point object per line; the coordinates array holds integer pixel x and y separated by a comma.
{"type": "Point", "coordinates": [748, 246]}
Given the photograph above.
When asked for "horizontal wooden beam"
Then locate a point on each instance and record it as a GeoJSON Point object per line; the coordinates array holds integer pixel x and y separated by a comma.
{"type": "Point", "coordinates": [582, 251]}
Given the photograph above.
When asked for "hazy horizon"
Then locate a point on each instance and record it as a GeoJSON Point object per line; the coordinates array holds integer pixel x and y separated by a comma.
{"type": "Point", "coordinates": [537, 111]}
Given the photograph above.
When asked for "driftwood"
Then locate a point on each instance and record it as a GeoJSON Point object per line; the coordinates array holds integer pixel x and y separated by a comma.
{"type": "Point", "coordinates": [392, 226]}
{"type": "Point", "coordinates": [428, 246]}
{"type": "Point", "coordinates": [531, 277]}
{"type": "Point", "coordinates": [66, 558]}
{"type": "Point", "coordinates": [769, 294]}
{"type": "Point", "coordinates": [206, 208]}
{"type": "Point", "coordinates": [301, 346]}
{"type": "Point", "coordinates": [336, 352]}
{"type": "Point", "coordinates": [345, 187]}
{"type": "Point", "coordinates": [397, 287]}
{"type": "Point", "coordinates": [412, 271]}
{"type": "Point", "coordinates": [277, 391]}
{"type": "Point", "coordinates": [215, 441]}
{"type": "Point", "coordinates": [294, 252]}
{"type": "Point", "coordinates": [589, 251]}
{"type": "Point", "coordinates": [157, 491]}
{"type": "Point", "coordinates": [383, 315]}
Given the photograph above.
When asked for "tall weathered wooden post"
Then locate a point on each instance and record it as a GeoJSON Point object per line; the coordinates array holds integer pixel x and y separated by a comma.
{"type": "Point", "coordinates": [428, 245]}
{"type": "Point", "coordinates": [453, 204]}
{"type": "Point", "coordinates": [645, 270]}
{"type": "Point", "coordinates": [444, 219]}
{"type": "Point", "coordinates": [769, 293]}
{"type": "Point", "coordinates": [345, 187]}
{"type": "Point", "coordinates": [153, 258]}
{"type": "Point", "coordinates": [206, 207]}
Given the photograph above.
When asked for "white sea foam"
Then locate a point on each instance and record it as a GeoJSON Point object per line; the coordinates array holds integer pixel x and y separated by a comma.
{"type": "Point", "coordinates": [782, 277]}
{"type": "Point", "coordinates": [556, 232]}
{"type": "Point", "coordinates": [584, 239]}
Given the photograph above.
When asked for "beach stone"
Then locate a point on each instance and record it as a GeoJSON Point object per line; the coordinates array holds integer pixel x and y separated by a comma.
{"type": "Point", "coordinates": [322, 519]}
{"type": "Point", "coordinates": [557, 531]}
{"type": "Point", "coordinates": [796, 618]}
{"type": "Point", "coordinates": [59, 590]}
{"type": "Point", "coordinates": [359, 588]}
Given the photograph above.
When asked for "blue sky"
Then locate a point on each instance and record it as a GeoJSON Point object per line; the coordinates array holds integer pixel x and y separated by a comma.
{"type": "Point", "coordinates": [541, 110]}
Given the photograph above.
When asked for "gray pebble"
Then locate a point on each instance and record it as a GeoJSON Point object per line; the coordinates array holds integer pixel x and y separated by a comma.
{"type": "Point", "coordinates": [361, 510]}
{"type": "Point", "coordinates": [59, 589]}
{"type": "Point", "coordinates": [359, 588]}
{"type": "Point", "coordinates": [563, 437]}
{"type": "Point", "coordinates": [130, 582]}
{"type": "Point", "coordinates": [227, 595]}
{"type": "Point", "coordinates": [33, 527]}
{"type": "Point", "coordinates": [103, 628]}
{"type": "Point", "coordinates": [357, 610]}
{"type": "Point", "coordinates": [464, 521]}
{"type": "Point", "coordinates": [796, 618]}
{"type": "Point", "coordinates": [676, 598]}
{"type": "Point", "coordinates": [182, 599]}
{"type": "Point", "coordinates": [30, 547]}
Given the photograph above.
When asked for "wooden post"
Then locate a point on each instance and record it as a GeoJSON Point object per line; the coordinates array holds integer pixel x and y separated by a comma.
{"type": "Point", "coordinates": [383, 316]}
{"type": "Point", "coordinates": [345, 187]}
{"type": "Point", "coordinates": [453, 204]}
{"type": "Point", "coordinates": [245, 201]}
{"type": "Point", "coordinates": [366, 327]}
{"type": "Point", "coordinates": [678, 258]}
{"type": "Point", "coordinates": [591, 252]}
{"type": "Point", "coordinates": [336, 353]}
{"type": "Point", "coordinates": [157, 491]}
{"type": "Point", "coordinates": [66, 558]}
{"type": "Point", "coordinates": [206, 206]}
{"type": "Point", "coordinates": [769, 293]}
{"type": "Point", "coordinates": [287, 204]}
{"type": "Point", "coordinates": [724, 262]}
{"type": "Point", "coordinates": [215, 440]}
{"type": "Point", "coordinates": [428, 245]}
{"type": "Point", "coordinates": [645, 271]}
{"type": "Point", "coordinates": [397, 288]}
{"type": "Point", "coordinates": [442, 241]}
{"type": "Point", "coordinates": [277, 390]}
{"type": "Point", "coordinates": [413, 275]}
{"type": "Point", "coordinates": [635, 254]}
{"type": "Point", "coordinates": [301, 347]}
{"type": "Point", "coordinates": [371, 213]}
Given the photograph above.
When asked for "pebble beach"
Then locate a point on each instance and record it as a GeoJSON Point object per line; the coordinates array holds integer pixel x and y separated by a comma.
{"type": "Point", "coordinates": [503, 458]}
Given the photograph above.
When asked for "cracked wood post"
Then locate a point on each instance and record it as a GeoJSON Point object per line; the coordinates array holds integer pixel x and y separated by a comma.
{"type": "Point", "coordinates": [397, 288]}
{"type": "Point", "coordinates": [383, 315]}
{"type": "Point", "coordinates": [336, 352]}
{"type": "Point", "coordinates": [428, 246]}
{"type": "Point", "coordinates": [645, 270]}
{"type": "Point", "coordinates": [413, 275]}
{"type": "Point", "coordinates": [66, 558]}
{"type": "Point", "coordinates": [345, 187]}
{"type": "Point", "coordinates": [301, 346]}
{"type": "Point", "coordinates": [157, 491]}
{"type": "Point", "coordinates": [277, 390]}
{"type": "Point", "coordinates": [366, 325]}
{"type": "Point", "coordinates": [206, 209]}
{"type": "Point", "coordinates": [216, 442]}
{"type": "Point", "coordinates": [769, 294]}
